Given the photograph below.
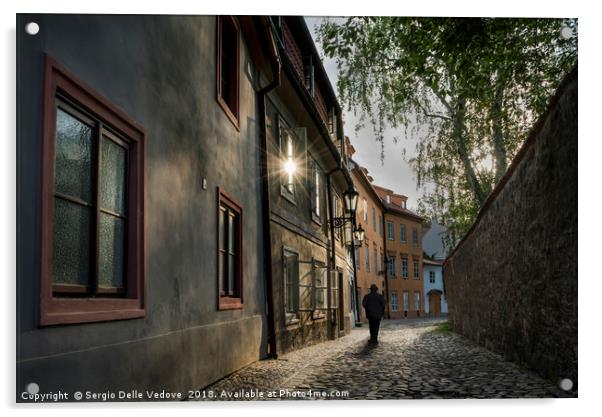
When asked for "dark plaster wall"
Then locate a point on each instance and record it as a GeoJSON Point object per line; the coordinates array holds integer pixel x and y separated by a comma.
{"type": "Point", "coordinates": [160, 70]}
{"type": "Point", "coordinates": [512, 283]}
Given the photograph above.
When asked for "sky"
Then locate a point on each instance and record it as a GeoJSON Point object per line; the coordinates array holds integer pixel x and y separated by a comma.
{"type": "Point", "coordinates": [393, 172]}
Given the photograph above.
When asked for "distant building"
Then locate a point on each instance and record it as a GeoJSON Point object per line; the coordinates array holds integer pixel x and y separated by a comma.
{"type": "Point", "coordinates": [433, 241]}
{"type": "Point", "coordinates": [368, 257]}
{"type": "Point", "coordinates": [435, 302]}
{"type": "Point", "coordinates": [391, 255]}
{"type": "Point", "coordinates": [403, 251]}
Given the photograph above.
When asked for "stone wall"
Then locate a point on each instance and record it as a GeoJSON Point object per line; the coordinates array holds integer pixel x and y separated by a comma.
{"type": "Point", "coordinates": [512, 281]}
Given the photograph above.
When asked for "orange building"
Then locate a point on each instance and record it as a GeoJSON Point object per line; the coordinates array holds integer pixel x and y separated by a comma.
{"type": "Point", "coordinates": [403, 247]}
{"type": "Point", "coordinates": [369, 258]}
{"type": "Point", "coordinates": [391, 255]}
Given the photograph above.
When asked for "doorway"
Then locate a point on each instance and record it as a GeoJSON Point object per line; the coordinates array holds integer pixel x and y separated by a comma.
{"type": "Point", "coordinates": [435, 304]}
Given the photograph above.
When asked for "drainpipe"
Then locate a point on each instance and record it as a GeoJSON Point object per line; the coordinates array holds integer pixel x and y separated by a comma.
{"type": "Point", "coordinates": [356, 289]}
{"type": "Point", "coordinates": [265, 202]}
{"type": "Point", "coordinates": [332, 246]}
{"type": "Point", "coordinates": [386, 270]}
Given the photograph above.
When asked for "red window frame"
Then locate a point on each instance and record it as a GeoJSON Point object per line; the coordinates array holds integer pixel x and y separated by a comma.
{"type": "Point", "coordinates": [70, 310]}
{"type": "Point", "coordinates": [225, 302]}
{"type": "Point", "coordinates": [230, 105]}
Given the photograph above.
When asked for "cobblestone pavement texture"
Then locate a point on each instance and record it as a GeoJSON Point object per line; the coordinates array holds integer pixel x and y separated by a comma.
{"type": "Point", "coordinates": [413, 359]}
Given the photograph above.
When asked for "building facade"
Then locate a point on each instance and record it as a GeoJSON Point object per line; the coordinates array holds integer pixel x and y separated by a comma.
{"type": "Point", "coordinates": [311, 267]}
{"type": "Point", "coordinates": [403, 248]}
{"type": "Point", "coordinates": [391, 255]}
{"type": "Point", "coordinates": [369, 256]}
{"type": "Point", "coordinates": [435, 301]}
{"type": "Point", "coordinates": [179, 181]}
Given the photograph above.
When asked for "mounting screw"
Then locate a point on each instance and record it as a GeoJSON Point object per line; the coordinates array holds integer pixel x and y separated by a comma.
{"type": "Point", "coordinates": [32, 28]}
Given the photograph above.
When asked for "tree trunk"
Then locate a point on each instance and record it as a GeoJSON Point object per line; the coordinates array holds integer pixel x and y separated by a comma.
{"type": "Point", "coordinates": [499, 146]}
{"type": "Point", "coordinates": [463, 154]}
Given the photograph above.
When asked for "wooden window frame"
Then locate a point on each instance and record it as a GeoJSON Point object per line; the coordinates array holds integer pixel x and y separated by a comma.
{"type": "Point", "coordinates": [390, 230]}
{"type": "Point", "coordinates": [403, 233]}
{"type": "Point", "coordinates": [316, 191]}
{"type": "Point", "coordinates": [233, 114]}
{"type": "Point", "coordinates": [394, 305]}
{"type": "Point", "coordinates": [225, 302]}
{"type": "Point", "coordinates": [290, 317]}
{"type": "Point", "coordinates": [405, 274]}
{"type": "Point", "coordinates": [416, 267]}
{"type": "Point", "coordinates": [54, 310]}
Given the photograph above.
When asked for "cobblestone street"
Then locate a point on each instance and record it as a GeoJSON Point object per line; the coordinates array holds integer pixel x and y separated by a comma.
{"type": "Point", "coordinates": [414, 359]}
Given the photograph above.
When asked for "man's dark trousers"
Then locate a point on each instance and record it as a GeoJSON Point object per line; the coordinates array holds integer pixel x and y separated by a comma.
{"type": "Point", "coordinates": [374, 327]}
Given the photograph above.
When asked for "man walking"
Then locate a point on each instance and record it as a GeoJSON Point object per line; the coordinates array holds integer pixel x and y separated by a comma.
{"type": "Point", "coordinates": [374, 304]}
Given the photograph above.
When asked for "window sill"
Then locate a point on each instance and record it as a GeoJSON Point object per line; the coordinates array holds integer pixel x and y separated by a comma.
{"type": "Point", "coordinates": [231, 116]}
{"type": "Point", "coordinates": [316, 219]}
{"type": "Point", "coordinates": [291, 320]}
{"type": "Point", "coordinates": [89, 310]}
{"type": "Point", "coordinates": [317, 316]}
{"type": "Point", "coordinates": [290, 197]}
{"type": "Point", "coordinates": [229, 303]}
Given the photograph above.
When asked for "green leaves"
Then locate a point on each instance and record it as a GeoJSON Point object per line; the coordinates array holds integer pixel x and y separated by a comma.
{"type": "Point", "coordinates": [469, 88]}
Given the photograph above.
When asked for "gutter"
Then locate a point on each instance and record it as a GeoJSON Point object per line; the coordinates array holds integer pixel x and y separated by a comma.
{"type": "Point", "coordinates": [265, 192]}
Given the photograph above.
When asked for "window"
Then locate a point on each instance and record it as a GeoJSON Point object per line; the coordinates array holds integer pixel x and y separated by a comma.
{"type": "Point", "coordinates": [229, 254]}
{"type": "Point", "coordinates": [417, 301]}
{"type": "Point", "coordinates": [357, 257]}
{"type": "Point", "coordinates": [406, 301]}
{"type": "Point", "coordinates": [432, 277]}
{"type": "Point", "coordinates": [367, 257]}
{"type": "Point", "coordinates": [392, 266]}
{"type": "Point", "coordinates": [287, 153]}
{"type": "Point", "coordinates": [228, 51]}
{"type": "Point", "coordinates": [382, 260]}
{"type": "Point", "coordinates": [390, 231]}
{"type": "Point", "coordinates": [291, 284]}
{"type": "Point", "coordinates": [404, 266]}
{"type": "Point", "coordinates": [320, 287]}
{"type": "Point", "coordinates": [416, 267]}
{"type": "Point", "coordinates": [373, 219]}
{"type": "Point", "coordinates": [334, 288]}
{"type": "Point", "coordinates": [375, 261]}
{"type": "Point", "coordinates": [337, 212]}
{"type": "Point", "coordinates": [402, 233]}
{"type": "Point", "coordinates": [316, 190]}
{"type": "Point", "coordinates": [388, 199]}
{"type": "Point", "coordinates": [415, 236]}
{"type": "Point", "coordinates": [380, 225]}
{"type": "Point", "coordinates": [365, 211]}
{"type": "Point", "coordinates": [92, 245]}
{"type": "Point", "coordinates": [394, 305]}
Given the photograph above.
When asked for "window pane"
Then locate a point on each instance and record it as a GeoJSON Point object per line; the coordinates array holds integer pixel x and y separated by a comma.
{"type": "Point", "coordinates": [112, 176]}
{"type": "Point", "coordinates": [111, 251]}
{"type": "Point", "coordinates": [231, 275]}
{"type": "Point", "coordinates": [72, 163]}
{"type": "Point", "coordinates": [223, 273]}
{"type": "Point", "coordinates": [222, 228]}
{"type": "Point", "coordinates": [231, 233]}
{"type": "Point", "coordinates": [71, 243]}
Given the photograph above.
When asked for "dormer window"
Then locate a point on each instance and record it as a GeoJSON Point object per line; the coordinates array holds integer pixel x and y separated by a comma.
{"type": "Point", "coordinates": [388, 199]}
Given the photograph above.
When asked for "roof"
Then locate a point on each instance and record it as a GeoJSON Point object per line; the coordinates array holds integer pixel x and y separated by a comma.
{"type": "Point", "coordinates": [436, 262]}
